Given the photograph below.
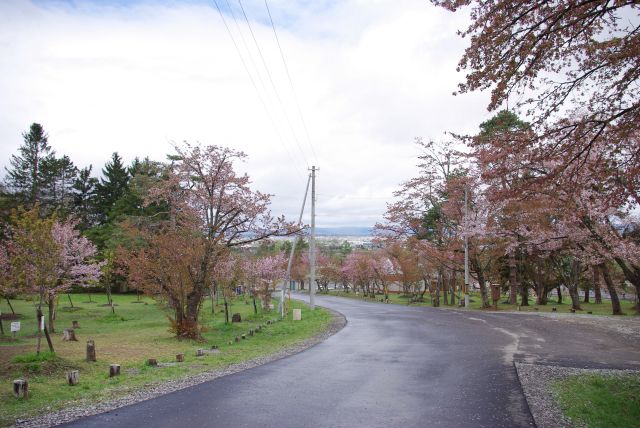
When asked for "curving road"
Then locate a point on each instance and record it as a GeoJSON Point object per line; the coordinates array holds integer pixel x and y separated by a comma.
{"type": "Point", "coordinates": [390, 366]}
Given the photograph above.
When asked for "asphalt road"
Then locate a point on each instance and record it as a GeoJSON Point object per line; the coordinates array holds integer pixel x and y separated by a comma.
{"type": "Point", "coordinates": [391, 366]}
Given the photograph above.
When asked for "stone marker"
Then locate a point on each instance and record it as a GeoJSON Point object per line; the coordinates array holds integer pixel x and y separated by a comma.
{"type": "Point", "coordinates": [236, 318]}
{"type": "Point", "coordinates": [69, 335]}
{"type": "Point", "coordinates": [152, 362]}
{"type": "Point", "coordinates": [180, 358]}
{"type": "Point", "coordinates": [200, 353]}
{"type": "Point", "coordinates": [250, 332]}
{"type": "Point", "coordinates": [21, 388]}
{"type": "Point", "coordinates": [237, 339]}
{"type": "Point", "coordinates": [91, 350]}
{"type": "Point", "coordinates": [297, 314]}
{"type": "Point", "coordinates": [73, 376]}
{"type": "Point", "coordinates": [75, 324]}
{"type": "Point", "coordinates": [114, 370]}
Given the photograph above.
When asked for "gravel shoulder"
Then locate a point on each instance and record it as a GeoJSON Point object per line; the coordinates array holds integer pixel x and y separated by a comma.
{"type": "Point", "coordinates": [536, 383]}
{"type": "Point", "coordinates": [88, 409]}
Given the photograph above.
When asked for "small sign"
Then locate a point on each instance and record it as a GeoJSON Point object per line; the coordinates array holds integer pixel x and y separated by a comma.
{"type": "Point", "coordinates": [15, 326]}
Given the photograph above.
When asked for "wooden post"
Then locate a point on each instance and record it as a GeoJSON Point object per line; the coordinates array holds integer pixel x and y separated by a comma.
{"type": "Point", "coordinates": [91, 350]}
{"type": "Point", "coordinates": [21, 388]}
{"type": "Point", "coordinates": [73, 376]}
{"type": "Point", "coordinates": [180, 358]}
{"type": "Point", "coordinates": [69, 335]}
{"type": "Point", "coordinates": [152, 362]}
{"type": "Point", "coordinates": [75, 324]}
{"type": "Point", "coordinates": [114, 370]}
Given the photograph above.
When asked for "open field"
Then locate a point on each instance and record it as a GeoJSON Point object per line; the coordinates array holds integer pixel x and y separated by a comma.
{"type": "Point", "coordinates": [137, 332]}
{"type": "Point", "coordinates": [596, 400]}
{"type": "Point", "coordinates": [596, 309]}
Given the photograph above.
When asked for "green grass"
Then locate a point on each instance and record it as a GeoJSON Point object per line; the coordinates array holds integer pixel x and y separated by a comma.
{"type": "Point", "coordinates": [476, 302]}
{"type": "Point", "coordinates": [137, 332]}
{"type": "Point", "coordinates": [601, 401]}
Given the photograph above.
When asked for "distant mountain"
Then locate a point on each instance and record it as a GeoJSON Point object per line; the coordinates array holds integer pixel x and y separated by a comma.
{"type": "Point", "coordinates": [344, 231]}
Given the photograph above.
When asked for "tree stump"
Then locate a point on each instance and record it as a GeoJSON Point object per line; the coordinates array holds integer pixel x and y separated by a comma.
{"type": "Point", "coordinates": [21, 388]}
{"type": "Point", "coordinates": [180, 358]}
{"type": "Point", "coordinates": [200, 353]}
{"type": "Point", "coordinates": [152, 362]}
{"type": "Point", "coordinates": [236, 318]}
{"type": "Point", "coordinates": [69, 335]}
{"type": "Point", "coordinates": [75, 324]}
{"type": "Point", "coordinates": [73, 376]}
{"type": "Point", "coordinates": [91, 350]}
{"type": "Point", "coordinates": [114, 370]}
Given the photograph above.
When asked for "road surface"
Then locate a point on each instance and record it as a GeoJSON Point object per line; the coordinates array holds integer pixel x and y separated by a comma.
{"type": "Point", "coordinates": [391, 366]}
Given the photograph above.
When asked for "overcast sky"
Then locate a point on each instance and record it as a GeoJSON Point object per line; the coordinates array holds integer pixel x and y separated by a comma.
{"type": "Point", "coordinates": [135, 76]}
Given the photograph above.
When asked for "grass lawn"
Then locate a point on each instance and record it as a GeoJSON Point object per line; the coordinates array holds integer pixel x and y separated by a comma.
{"type": "Point", "coordinates": [137, 332]}
{"type": "Point", "coordinates": [476, 301]}
{"type": "Point", "coordinates": [601, 401]}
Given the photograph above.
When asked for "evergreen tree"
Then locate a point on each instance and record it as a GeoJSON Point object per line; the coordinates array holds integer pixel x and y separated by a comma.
{"type": "Point", "coordinates": [112, 187]}
{"type": "Point", "coordinates": [84, 194]}
{"type": "Point", "coordinates": [28, 172]}
{"type": "Point", "coordinates": [60, 175]}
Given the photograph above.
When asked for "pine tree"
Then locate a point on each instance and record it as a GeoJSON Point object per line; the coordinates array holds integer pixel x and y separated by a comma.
{"type": "Point", "coordinates": [58, 184]}
{"type": "Point", "coordinates": [28, 172]}
{"type": "Point", "coordinates": [112, 187]}
{"type": "Point", "coordinates": [84, 195]}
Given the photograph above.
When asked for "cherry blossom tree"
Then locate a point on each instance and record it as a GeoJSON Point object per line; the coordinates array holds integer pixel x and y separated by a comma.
{"type": "Point", "coordinates": [269, 270]}
{"type": "Point", "coordinates": [214, 209]}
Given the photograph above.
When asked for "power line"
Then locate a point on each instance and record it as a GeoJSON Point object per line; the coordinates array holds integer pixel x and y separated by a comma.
{"type": "Point", "coordinates": [257, 71]}
{"type": "Point", "coordinates": [295, 96]}
{"type": "Point", "coordinates": [275, 90]}
{"type": "Point", "coordinates": [255, 87]}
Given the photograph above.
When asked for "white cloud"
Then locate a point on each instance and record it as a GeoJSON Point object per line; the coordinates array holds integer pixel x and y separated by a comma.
{"type": "Point", "coordinates": [369, 75]}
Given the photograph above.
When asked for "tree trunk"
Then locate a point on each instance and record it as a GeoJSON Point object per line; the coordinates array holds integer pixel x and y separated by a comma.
{"type": "Point", "coordinates": [481, 282]}
{"type": "Point", "coordinates": [559, 290]}
{"type": "Point", "coordinates": [596, 284]}
{"type": "Point", "coordinates": [226, 309]}
{"type": "Point", "coordinates": [633, 276]}
{"type": "Point", "coordinates": [513, 280]}
{"type": "Point", "coordinates": [39, 316]}
{"type": "Point", "coordinates": [70, 301]}
{"type": "Point", "coordinates": [436, 300]}
{"type": "Point", "coordinates": [255, 306]}
{"type": "Point", "coordinates": [524, 295]}
{"type": "Point", "coordinates": [575, 298]}
{"type": "Point", "coordinates": [52, 307]}
{"type": "Point", "coordinates": [10, 306]}
{"type": "Point", "coordinates": [615, 302]}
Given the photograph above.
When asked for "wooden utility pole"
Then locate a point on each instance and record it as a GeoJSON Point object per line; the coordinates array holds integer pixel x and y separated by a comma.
{"type": "Point", "coordinates": [466, 252]}
{"type": "Point", "coordinates": [312, 243]}
{"type": "Point", "coordinates": [287, 278]}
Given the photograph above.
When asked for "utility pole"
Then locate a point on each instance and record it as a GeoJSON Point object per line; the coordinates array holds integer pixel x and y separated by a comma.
{"type": "Point", "coordinates": [312, 243]}
{"type": "Point", "coordinates": [287, 278]}
{"type": "Point", "coordinates": [466, 252]}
